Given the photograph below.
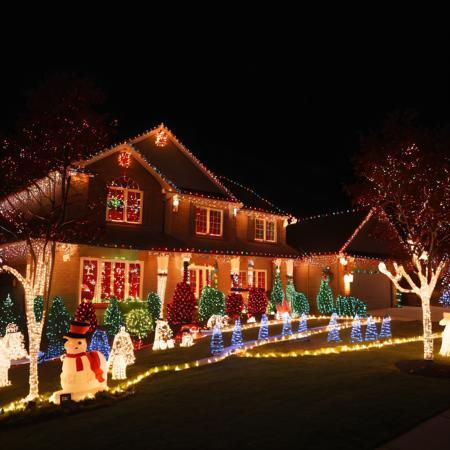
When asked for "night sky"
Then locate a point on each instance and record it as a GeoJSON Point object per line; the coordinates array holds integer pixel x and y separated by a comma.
{"type": "Point", "coordinates": [280, 116]}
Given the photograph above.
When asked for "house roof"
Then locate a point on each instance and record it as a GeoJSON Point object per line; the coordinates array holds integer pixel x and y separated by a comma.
{"type": "Point", "coordinates": [250, 199]}
{"type": "Point", "coordinates": [340, 232]}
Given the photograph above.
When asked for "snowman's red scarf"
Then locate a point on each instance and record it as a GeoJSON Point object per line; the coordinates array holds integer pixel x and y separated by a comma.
{"type": "Point", "coordinates": [94, 362]}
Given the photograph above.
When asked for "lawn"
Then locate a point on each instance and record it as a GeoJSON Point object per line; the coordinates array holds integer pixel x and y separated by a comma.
{"type": "Point", "coordinates": [353, 400]}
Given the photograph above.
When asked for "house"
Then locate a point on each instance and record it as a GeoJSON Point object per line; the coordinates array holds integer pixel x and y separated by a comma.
{"type": "Point", "coordinates": [159, 207]}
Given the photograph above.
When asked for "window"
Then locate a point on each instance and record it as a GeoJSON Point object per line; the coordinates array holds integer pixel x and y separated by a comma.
{"type": "Point", "coordinates": [208, 221]}
{"type": "Point", "coordinates": [260, 277]}
{"type": "Point", "coordinates": [199, 277]}
{"type": "Point", "coordinates": [243, 279]}
{"type": "Point", "coordinates": [124, 202]}
{"type": "Point", "coordinates": [101, 279]}
{"type": "Point", "coordinates": [265, 230]}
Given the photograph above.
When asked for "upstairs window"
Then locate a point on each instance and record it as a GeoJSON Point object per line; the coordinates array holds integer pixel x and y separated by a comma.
{"type": "Point", "coordinates": [124, 202]}
{"type": "Point", "coordinates": [265, 230]}
{"type": "Point", "coordinates": [208, 221]}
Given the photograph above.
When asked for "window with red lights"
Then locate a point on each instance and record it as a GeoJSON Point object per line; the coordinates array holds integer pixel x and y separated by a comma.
{"type": "Point", "coordinates": [122, 279]}
{"type": "Point", "coordinates": [89, 279]}
{"type": "Point", "coordinates": [208, 221]}
{"type": "Point", "coordinates": [265, 230]}
{"type": "Point", "coordinates": [124, 201]}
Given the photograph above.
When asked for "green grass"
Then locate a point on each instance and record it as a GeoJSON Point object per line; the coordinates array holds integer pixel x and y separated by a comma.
{"type": "Point", "coordinates": [354, 400]}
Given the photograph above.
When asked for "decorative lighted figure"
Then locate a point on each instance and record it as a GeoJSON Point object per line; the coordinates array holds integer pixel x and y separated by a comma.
{"type": "Point", "coordinates": [5, 364]}
{"type": "Point", "coordinates": [445, 347]}
{"type": "Point", "coordinates": [14, 343]}
{"type": "Point", "coordinates": [124, 160]}
{"type": "Point", "coordinates": [122, 355]}
{"type": "Point", "coordinates": [216, 319]}
{"type": "Point", "coordinates": [163, 336]}
{"type": "Point", "coordinates": [83, 373]}
{"type": "Point", "coordinates": [186, 339]}
{"type": "Point", "coordinates": [161, 139]}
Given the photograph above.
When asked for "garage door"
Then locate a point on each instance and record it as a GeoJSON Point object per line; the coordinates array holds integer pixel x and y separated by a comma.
{"type": "Point", "coordinates": [373, 289]}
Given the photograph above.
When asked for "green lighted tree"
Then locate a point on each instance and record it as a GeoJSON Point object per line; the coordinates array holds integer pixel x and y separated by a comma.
{"type": "Point", "coordinates": [113, 319]}
{"type": "Point", "coordinates": [212, 302]}
{"type": "Point", "coordinates": [300, 304]}
{"type": "Point", "coordinates": [277, 294]}
{"type": "Point", "coordinates": [154, 305]}
{"type": "Point", "coordinates": [290, 291]}
{"type": "Point", "coordinates": [325, 297]}
{"type": "Point", "coordinates": [58, 322]}
{"type": "Point", "coordinates": [7, 314]}
{"type": "Point", "coordinates": [139, 323]}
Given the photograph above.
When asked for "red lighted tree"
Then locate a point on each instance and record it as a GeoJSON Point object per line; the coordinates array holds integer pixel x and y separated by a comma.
{"type": "Point", "coordinates": [404, 173]}
{"type": "Point", "coordinates": [257, 302]}
{"type": "Point", "coordinates": [86, 313]}
{"type": "Point", "coordinates": [234, 305]}
{"type": "Point", "coordinates": [182, 308]}
{"type": "Point", "coordinates": [40, 164]}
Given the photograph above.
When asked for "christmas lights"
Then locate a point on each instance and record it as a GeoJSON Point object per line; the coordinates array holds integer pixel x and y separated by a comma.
{"type": "Point", "coordinates": [124, 160]}
{"type": "Point", "coordinates": [113, 319]}
{"type": "Point", "coordinates": [287, 328]}
{"type": "Point", "coordinates": [86, 313]}
{"type": "Point", "coordinates": [163, 336]}
{"type": "Point", "coordinates": [276, 295]}
{"type": "Point", "coordinates": [333, 330]}
{"type": "Point", "coordinates": [300, 304]}
{"type": "Point", "coordinates": [257, 302]}
{"type": "Point", "coordinates": [264, 328]}
{"type": "Point", "coordinates": [5, 364]}
{"type": "Point", "coordinates": [371, 330]}
{"type": "Point", "coordinates": [386, 328]}
{"type": "Point", "coordinates": [58, 323]}
{"type": "Point", "coordinates": [444, 300]}
{"type": "Point", "coordinates": [182, 308]}
{"type": "Point", "coordinates": [99, 342]}
{"type": "Point", "coordinates": [236, 337]}
{"type": "Point", "coordinates": [7, 314]}
{"type": "Point", "coordinates": [14, 343]}
{"type": "Point", "coordinates": [356, 334]}
{"type": "Point", "coordinates": [350, 306]}
{"type": "Point", "coordinates": [234, 305]}
{"type": "Point", "coordinates": [212, 302]}
{"type": "Point", "coordinates": [303, 324]}
{"type": "Point", "coordinates": [122, 355]}
{"type": "Point", "coordinates": [139, 323]}
{"type": "Point", "coordinates": [154, 305]}
{"type": "Point", "coordinates": [217, 341]}
{"type": "Point", "coordinates": [325, 297]}
{"type": "Point", "coordinates": [445, 346]}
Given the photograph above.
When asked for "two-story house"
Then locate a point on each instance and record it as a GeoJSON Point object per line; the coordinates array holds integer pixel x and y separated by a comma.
{"type": "Point", "coordinates": [163, 207]}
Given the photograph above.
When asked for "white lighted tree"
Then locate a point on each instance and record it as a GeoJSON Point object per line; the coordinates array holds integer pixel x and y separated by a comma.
{"type": "Point", "coordinates": [40, 167]}
{"type": "Point", "coordinates": [405, 174]}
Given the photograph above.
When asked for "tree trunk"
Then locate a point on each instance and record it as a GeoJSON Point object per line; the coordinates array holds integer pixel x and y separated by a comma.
{"type": "Point", "coordinates": [427, 328]}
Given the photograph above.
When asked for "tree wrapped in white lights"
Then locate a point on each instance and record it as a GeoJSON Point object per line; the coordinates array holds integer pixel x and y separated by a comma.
{"type": "Point", "coordinates": [40, 206]}
{"type": "Point", "coordinates": [5, 364]}
{"type": "Point", "coordinates": [405, 177]}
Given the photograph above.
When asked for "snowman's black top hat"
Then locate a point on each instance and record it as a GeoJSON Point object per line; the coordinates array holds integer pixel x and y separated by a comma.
{"type": "Point", "coordinates": [78, 330]}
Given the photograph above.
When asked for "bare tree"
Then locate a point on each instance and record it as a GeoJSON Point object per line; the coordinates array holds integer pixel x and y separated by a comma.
{"type": "Point", "coordinates": [60, 127]}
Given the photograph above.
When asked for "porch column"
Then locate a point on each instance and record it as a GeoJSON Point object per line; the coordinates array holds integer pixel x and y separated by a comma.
{"type": "Point", "coordinates": [290, 268]}
{"type": "Point", "coordinates": [250, 273]}
{"type": "Point", "coordinates": [162, 270]}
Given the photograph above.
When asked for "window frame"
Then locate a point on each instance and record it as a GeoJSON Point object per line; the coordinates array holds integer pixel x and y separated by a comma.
{"type": "Point", "coordinates": [208, 222]}
{"type": "Point", "coordinates": [255, 278]}
{"type": "Point", "coordinates": [204, 269]}
{"type": "Point", "coordinates": [125, 205]}
{"type": "Point", "coordinates": [266, 222]}
{"type": "Point", "coordinates": [97, 300]}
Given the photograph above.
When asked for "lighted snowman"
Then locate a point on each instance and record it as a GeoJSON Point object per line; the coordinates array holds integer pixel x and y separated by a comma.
{"type": "Point", "coordinates": [83, 373]}
{"type": "Point", "coordinates": [445, 347]}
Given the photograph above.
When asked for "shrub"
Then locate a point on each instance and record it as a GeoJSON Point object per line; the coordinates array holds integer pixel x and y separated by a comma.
{"type": "Point", "coordinates": [212, 303]}
{"type": "Point", "coordinates": [139, 323]}
{"type": "Point", "coordinates": [350, 306]}
{"type": "Point", "coordinates": [257, 302]}
{"type": "Point", "coordinates": [300, 304]}
{"type": "Point", "coordinates": [234, 305]}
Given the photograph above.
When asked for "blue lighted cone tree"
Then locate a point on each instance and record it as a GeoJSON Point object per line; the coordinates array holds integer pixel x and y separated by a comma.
{"type": "Point", "coordinates": [287, 328]}
{"type": "Point", "coordinates": [113, 319]}
{"type": "Point", "coordinates": [325, 297]}
{"type": "Point", "coordinates": [7, 314]}
{"type": "Point", "coordinates": [371, 330]}
{"type": "Point", "coordinates": [154, 305]}
{"type": "Point", "coordinates": [264, 328]}
{"type": "Point", "coordinates": [212, 302]}
{"type": "Point", "coordinates": [303, 324]}
{"type": "Point", "coordinates": [445, 292]}
{"type": "Point", "coordinates": [58, 322]}
{"type": "Point", "coordinates": [356, 334]}
{"type": "Point", "coordinates": [300, 304]}
{"type": "Point", "coordinates": [236, 337]}
{"type": "Point", "coordinates": [100, 343]}
{"type": "Point", "coordinates": [217, 341]}
{"type": "Point", "coordinates": [333, 330]}
{"type": "Point", "coordinates": [385, 332]}
{"type": "Point", "coordinates": [276, 294]}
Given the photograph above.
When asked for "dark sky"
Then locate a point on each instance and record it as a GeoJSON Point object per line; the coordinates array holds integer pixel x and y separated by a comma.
{"type": "Point", "coordinates": [282, 116]}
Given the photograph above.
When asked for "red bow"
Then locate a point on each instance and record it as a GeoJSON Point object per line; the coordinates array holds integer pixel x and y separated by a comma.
{"type": "Point", "coordinates": [94, 362]}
